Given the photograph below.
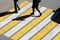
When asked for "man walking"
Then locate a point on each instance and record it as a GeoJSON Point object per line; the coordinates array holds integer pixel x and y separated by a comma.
{"type": "Point", "coordinates": [16, 6]}
{"type": "Point", "coordinates": [35, 6]}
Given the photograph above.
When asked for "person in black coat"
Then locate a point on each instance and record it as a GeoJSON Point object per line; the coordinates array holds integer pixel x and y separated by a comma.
{"type": "Point", "coordinates": [16, 6]}
{"type": "Point", "coordinates": [35, 6]}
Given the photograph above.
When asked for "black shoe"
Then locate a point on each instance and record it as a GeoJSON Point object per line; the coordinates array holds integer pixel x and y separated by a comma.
{"type": "Point", "coordinates": [14, 12]}
{"type": "Point", "coordinates": [32, 14]}
{"type": "Point", "coordinates": [19, 9]}
{"type": "Point", "coordinates": [39, 15]}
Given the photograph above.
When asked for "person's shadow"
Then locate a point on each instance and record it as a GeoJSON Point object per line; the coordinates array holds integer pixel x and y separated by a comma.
{"type": "Point", "coordinates": [6, 13]}
{"type": "Point", "coordinates": [22, 18]}
{"type": "Point", "coordinates": [56, 16]}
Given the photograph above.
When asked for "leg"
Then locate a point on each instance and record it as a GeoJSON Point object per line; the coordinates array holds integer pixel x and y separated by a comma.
{"type": "Point", "coordinates": [33, 9]}
{"type": "Point", "coordinates": [38, 10]}
{"type": "Point", "coordinates": [17, 6]}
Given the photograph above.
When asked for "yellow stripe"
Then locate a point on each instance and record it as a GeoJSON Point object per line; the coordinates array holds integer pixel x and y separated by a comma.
{"type": "Point", "coordinates": [44, 31]}
{"type": "Point", "coordinates": [20, 5]}
{"type": "Point", "coordinates": [31, 25]}
{"type": "Point", "coordinates": [9, 26]}
{"type": "Point", "coordinates": [12, 23]}
{"type": "Point", "coordinates": [57, 37]}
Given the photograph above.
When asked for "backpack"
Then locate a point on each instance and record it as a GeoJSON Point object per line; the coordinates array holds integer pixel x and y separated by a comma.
{"type": "Point", "coordinates": [56, 16]}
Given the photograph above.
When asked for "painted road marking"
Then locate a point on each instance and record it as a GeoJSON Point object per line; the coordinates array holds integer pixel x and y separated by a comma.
{"type": "Point", "coordinates": [51, 34]}
{"type": "Point", "coordinates": [24, 23]}
{"type": "Point", "coordinates": [37, 28]}
{"type": "Point", "coordinates": [57, 37]}
{"type": "Point", "coordinates": [20, 5]}
{"type": "Point", "coordinates": [7, 20]}
{"type": "Point", "coordinates": [29, 27]}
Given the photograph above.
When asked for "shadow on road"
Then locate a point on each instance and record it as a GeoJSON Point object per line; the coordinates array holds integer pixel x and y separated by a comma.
{"type": "Point", "coordinates": [22, 17]}
{"type": "Point", "coordinates": [6, 13]}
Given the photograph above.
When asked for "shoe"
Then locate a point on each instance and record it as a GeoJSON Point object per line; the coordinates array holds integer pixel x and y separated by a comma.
{"type": "Point", "coordinates": [14, 12]}
{"type": "Point", "coordinates": [19, 9]}
{"type": "Point", "coordinates": [32, 14]}
{"type": "Point", "coordinates": [39, 15]}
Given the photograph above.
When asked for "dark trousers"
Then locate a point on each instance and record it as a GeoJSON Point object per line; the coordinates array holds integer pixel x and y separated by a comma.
{"type": "Point", "coordinates": [35, 6]}
{"type": "Point", "coordinates": [16, 6]}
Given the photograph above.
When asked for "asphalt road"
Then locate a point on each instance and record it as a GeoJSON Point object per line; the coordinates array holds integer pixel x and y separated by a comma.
{"type": "Point", "coordinates": [5, 5]}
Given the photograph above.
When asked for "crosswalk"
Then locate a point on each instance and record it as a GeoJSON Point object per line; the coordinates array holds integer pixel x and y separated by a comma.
{"type": "Point", "coordinates": [33, 28]}
{"type": "Point", "coordinates": [57, 37]}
